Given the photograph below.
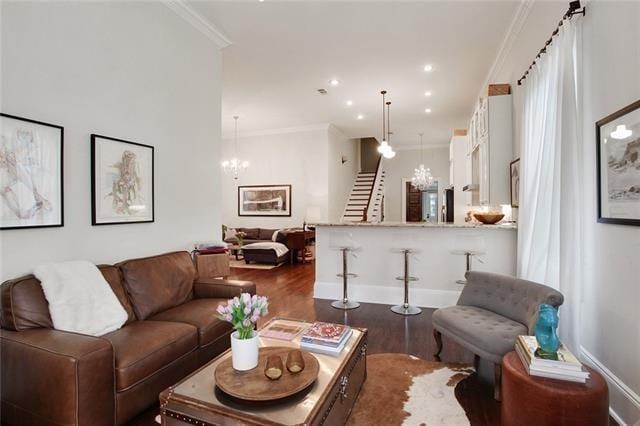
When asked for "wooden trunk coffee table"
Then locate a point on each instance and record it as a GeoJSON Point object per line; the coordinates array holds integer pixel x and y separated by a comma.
{"type": "Point", "coordinates": [197, 401]}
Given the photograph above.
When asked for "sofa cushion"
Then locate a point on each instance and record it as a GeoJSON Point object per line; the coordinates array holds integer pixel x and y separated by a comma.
{"type": "Point", "coordinates": [143, 348]}
{"type": "Point", "coordinates": [200, 313]}
{"type": "Point", "coordinates": [24, 305]}
{"type": "Point", "coordinates": [483, 332]}
{"type": "Point", "coordinates": [252, 233]}
{"type": "Point", "coordinates": [266, 234]}
{"type": "Point", "coordinates": [159, 282]}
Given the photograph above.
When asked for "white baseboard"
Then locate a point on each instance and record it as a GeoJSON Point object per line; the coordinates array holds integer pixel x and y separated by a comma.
{"type": "Point", "coordinates": [425, 298]}
{"type": "Point", "coordinates": [612, 380]}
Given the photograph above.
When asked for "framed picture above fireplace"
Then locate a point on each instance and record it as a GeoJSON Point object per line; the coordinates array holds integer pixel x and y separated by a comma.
{"type": "Point", "coordinates": [264, 200]}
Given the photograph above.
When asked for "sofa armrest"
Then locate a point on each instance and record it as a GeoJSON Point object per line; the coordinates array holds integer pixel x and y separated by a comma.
{"type": "Point", "coordinates": [56, 377]}
{"type": "Point", "coordinates": [222, 289]}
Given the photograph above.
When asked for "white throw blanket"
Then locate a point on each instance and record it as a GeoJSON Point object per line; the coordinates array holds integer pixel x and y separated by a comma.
{"type": "Point", "coordinates": [279, 248]}
{"type": "Point", "coordinates": [80, 299]}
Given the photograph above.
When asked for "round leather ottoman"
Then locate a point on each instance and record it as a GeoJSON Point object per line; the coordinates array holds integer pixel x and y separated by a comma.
{"type": "Point", "coordinates": [530, 400]}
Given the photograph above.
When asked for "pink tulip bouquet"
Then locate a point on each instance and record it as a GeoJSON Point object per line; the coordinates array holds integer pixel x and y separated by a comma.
{"type": "Point", "coordinates": [243, 313]}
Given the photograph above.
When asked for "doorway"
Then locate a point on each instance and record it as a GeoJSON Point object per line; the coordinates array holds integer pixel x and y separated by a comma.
{"type": "Point", "coordinates": [420, 206]}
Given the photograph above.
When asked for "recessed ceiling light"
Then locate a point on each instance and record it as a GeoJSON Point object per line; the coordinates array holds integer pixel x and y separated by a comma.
{"type": "Point", "coordinates": [427, 93]}
{"type": "Point", "coordinates": [334, 82]}
{"type": "Point", "coordinates": [349, 103]}
{"type": "Point", "coordinates": [360, 117]}
{"type": "Point", "coordinates": [428, 110]}
{"type": "Point", "coordinates": [428, 68]}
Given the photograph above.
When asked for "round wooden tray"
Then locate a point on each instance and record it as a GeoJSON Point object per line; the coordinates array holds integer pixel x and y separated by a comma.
{"type": "Point", "coordinates": [253, 385]}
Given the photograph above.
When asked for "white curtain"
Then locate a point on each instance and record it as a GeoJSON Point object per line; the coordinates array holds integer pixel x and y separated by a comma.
{"type": "Point", "coordinates": [550, 213]}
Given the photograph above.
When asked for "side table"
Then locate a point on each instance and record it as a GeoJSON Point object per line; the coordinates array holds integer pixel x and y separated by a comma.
{"type": "Point", "coordinates": [530, 400]}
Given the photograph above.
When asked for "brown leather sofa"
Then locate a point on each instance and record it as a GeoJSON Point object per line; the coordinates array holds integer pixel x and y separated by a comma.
{"type": "Point", "coordinates": [52, 377]}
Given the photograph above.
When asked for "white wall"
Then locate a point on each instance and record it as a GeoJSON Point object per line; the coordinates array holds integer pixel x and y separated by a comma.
{"type": "Point", "coordinates": [341, 175]}
{"type": "Point", "coordinates": [402, 166]}
{"type": "Point", "coordinates": [611, 314]}
{"type": "Point", "coordinates": [131, 70]}
{"type": "Point", "coordinates": [610, 335]}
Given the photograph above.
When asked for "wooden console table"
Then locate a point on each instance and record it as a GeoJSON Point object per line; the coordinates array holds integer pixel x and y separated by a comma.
{"type": "Point", "coordinates": [297, 242]}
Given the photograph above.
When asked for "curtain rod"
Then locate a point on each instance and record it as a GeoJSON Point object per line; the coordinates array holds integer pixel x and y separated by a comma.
{"type": "Point", "coordinates": [574, 9]}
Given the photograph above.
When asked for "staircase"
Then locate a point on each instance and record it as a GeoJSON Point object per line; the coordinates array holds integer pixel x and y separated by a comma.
{"type": "Point", "coordinates": [366, 200]}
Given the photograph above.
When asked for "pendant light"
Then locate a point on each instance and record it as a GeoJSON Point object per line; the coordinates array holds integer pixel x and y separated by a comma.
{"type": "Point", "coordinates": [384, 148]}
{"type": "Point", "coordinates": [234, 165]}
{"type": "Point", "coordinates": [422, 177]}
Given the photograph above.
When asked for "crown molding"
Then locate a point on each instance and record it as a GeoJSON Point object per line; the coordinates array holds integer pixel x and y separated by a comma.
{"type": "Point", "coordinates": [197, 21]}
{"type": "Point", "coordinates": [416, 147]}
{"type": "Point", "coordinates": [337, 131]}
{"type": "Point", "coordinates": [283, 130]}
{"type": "Point", "coordinates": [510, 36]}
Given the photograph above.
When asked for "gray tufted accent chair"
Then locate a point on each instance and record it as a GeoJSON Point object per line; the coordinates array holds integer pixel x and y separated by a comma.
{"type": "Point", "coordinates": [492, 311]}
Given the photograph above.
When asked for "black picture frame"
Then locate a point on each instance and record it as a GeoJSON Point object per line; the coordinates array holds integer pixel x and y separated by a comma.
{"type": "Point", "coordinates": [60, 177]}
{"type": "Point", "coordinates": [286, 213]}
{"type": "Point", "coordinates": [95, 221]}
{"type": "Point", "coordinates": [599, 142]}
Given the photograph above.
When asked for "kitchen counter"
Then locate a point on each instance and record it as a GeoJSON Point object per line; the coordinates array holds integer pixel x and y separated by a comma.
{"type": "Point", "coordinates": [438, 262]}
{"type": "Point", "coordinates": [508, 225]}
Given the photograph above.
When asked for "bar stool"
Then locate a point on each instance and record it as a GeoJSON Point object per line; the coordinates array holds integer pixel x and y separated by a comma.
{"type": "Point", "coordinates": [406, 308]}
{"type": "Point", "coordinates": [469, 246]}
{"type": "Point", "coordinates": [347, 247]}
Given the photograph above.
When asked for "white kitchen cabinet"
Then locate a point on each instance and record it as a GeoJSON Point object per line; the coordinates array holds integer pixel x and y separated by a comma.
{"type": "Point", "coordinates": [491, 151]}
{"type": "Point", "coordinates": [458, 149]}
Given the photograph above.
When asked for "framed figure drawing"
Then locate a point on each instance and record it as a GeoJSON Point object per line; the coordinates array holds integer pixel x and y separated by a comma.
{"type": "Point", "coordinates": [264, 200]}
{"type": "Point", "coordinates": [515, 182]}
{"type": "Point", "coordinates": [121, 181]}
{"type": "Point", "coordinates": [618, 166]}
{"type": "Point", "coordinates": [31, 172]}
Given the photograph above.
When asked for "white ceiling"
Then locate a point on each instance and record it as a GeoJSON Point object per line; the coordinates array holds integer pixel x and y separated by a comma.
{"type": "Point", "coordinates": [282, 52]}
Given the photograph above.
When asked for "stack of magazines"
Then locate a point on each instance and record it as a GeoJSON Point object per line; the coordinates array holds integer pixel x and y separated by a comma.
{"type": "Point", "coordinates": [567, 367]}
{"type": "Point", "coordinates": [326, 338]}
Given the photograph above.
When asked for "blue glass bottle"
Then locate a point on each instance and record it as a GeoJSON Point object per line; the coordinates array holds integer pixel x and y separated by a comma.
{"type": "Point", "coordinates": [546, 332]}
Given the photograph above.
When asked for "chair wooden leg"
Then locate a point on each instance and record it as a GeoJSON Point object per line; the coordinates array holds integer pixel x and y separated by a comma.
{"type": "Point", "coordinates": [497, 382]}
{"type": "Point", "coordinates": [476, 362]}
{"type": "Point", "coordinates": [438, 337]}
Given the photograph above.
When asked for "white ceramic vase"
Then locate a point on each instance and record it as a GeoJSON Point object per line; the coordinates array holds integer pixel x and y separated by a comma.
{"type": "Point", "coordinates": [244, 352]}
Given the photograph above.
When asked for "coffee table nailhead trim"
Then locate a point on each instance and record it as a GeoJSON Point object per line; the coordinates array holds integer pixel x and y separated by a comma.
{"type": "Point", "coordinates": [187, 419]}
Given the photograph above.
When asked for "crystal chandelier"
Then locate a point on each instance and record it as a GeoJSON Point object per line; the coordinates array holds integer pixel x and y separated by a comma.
{"type": "Point", "coordinates": [384, 148]}
{"type": "Point", "coordinates": [422, 177]}
{"type": "Point", "coordinates": [235, 165]}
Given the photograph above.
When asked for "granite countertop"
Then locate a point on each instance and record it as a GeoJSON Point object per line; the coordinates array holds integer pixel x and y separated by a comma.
{"type": "Point", "coordinates": [420, 225]}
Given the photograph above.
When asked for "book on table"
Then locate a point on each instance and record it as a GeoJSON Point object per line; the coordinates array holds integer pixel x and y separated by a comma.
{"type": "Point", "coordinates": [325, 337]}
{"type": "Point", "coordinates": [281, 330]}
{"type": "Point", "coordinates": [567, 367]}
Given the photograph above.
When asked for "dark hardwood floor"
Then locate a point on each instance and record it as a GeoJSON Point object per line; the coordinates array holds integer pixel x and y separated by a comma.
{"type": "Point", "coordinates": [290, 292]}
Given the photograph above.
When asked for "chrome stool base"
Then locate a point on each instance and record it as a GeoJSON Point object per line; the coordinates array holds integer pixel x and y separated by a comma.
{"type": "Point", "coordinates": [406, 310]}
{"type": "Point", "coordinates": [345, 305]}
{"type": "Point", "coordinates": [461, 282]}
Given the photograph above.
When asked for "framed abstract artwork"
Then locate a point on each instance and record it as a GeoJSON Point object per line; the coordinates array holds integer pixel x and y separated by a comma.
{"type": "Point", "coordinates": [264, 200]}
{"type": "Point", "coordinates": [121, 181]}
{"type": "Point", "coordinates": [31, 173]}
{"type": "Point", "coordinates": [514, 172]}
{"type": "Point", "coordinates": [618, 166]}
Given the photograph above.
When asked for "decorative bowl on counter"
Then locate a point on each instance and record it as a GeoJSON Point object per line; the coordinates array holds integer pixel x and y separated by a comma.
{"type": "Point", "coordinates": [488, 218]}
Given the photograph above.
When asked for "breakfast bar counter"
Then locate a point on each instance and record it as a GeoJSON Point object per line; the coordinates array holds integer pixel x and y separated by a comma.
{"type": "Point", "coordinates": [438, 259]}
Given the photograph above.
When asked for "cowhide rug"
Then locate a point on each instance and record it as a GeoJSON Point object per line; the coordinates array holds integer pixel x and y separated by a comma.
{"type": "Point", "coordinates": [405, 390]}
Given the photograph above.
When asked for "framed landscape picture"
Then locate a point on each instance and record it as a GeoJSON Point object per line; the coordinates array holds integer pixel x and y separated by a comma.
{"type": "Point", "coordinates": [618, 166]}
{"type": "Point", "coordinates": [31, 172]}
{"type": "Point", "coordinates": [515, 182]}
{"type": "Point", "coordinates": [121, 181]}
{"type": "Point", "coordinates": [264, 200]}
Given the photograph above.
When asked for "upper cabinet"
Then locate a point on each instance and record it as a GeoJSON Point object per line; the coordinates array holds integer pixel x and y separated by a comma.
{"type": "Point", "coordinates": [490, 151]}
